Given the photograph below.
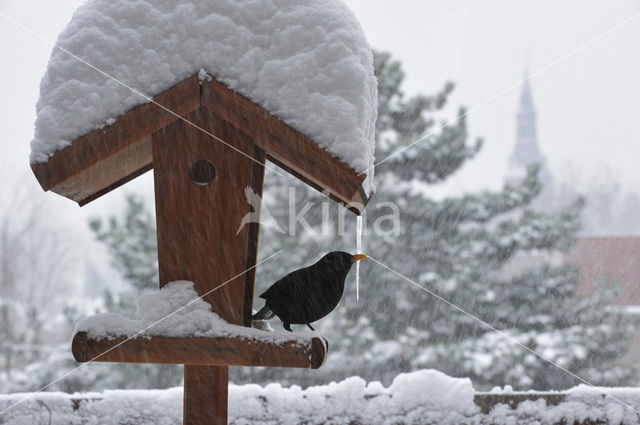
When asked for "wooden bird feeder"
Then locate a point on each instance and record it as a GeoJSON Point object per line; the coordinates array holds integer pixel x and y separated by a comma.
{"type": "Point", "coordinates": [200, 201]}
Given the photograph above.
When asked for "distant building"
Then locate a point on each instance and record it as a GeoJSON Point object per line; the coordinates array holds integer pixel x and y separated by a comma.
{"type": "Point", "coordinates": [611, 260]}
{"type": "Point", "coordinates": [601, 260]}
{"type": "Point", "coordinates": [604, 259]}
{"type": "Point", "coordinates": [614, 259]}
{"type": "Point", "coordinates": [526, 151]}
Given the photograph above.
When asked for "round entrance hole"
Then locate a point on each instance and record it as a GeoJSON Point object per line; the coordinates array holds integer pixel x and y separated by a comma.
{"type": "Point", "coordinates": [202, 172]}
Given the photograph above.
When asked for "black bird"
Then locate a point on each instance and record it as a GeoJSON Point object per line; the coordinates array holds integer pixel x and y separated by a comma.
{"type": "Point", "coordinates": [308, 294]}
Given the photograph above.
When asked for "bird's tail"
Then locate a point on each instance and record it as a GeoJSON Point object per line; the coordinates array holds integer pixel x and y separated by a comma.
{"type": "Point", "coordinates": [265, 313]}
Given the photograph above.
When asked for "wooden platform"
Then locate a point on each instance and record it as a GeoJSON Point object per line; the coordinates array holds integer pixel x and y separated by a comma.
{"type": "Point", "coordinates": [311, 353]}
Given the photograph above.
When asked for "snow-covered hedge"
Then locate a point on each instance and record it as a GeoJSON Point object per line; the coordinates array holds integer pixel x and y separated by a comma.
{"type": "Point", "coordinates": [423, 397]}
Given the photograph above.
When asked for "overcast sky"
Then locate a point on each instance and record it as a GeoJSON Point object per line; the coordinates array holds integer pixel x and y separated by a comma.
{"type": "Point", "coordinates": [587, 101]}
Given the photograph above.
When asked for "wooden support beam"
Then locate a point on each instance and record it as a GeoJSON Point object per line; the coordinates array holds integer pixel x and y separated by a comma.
{"type": "Point", "coordinates": [286, 147]}
{"type": "Point", "coordinates": [200, 202]}
{"type": "Point", "coordinates": [106, 158]}
{"type": "Point", "coordinates": [311, 353]}
{"type": "Point", "coordinates": [206, 395]}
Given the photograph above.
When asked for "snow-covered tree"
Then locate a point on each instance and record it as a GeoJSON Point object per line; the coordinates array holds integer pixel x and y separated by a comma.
{"type": "Point", "coordinates": [539, 309]}
{"type": "Point", "coordinates": [131, 241]}
{"type": "Point", "coordinates": [36, 266]}
{"type": "Point", "coordinates": [455, 248]}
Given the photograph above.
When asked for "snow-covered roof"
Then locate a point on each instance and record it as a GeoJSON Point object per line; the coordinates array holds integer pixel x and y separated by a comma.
{"type": "Point", "coordinates": [306, 62]}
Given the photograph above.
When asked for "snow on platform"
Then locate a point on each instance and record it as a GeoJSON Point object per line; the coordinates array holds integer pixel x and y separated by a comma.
{"type": "Point", "coordinates": [177, 311]}
{"type": "Point", "coordinates": [304, 61]}
{"type": "Point", "coordinates": [421, 397]}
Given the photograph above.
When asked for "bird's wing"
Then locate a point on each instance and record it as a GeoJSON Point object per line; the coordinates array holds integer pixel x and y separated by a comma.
{"type": "Point", "coordinates": [287, 283]}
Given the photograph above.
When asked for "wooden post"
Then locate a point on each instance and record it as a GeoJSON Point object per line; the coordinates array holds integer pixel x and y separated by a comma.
{"type": "Point", "coordinates": [205, 395]}
{"type": "Point", "coordinates": [200, 202]}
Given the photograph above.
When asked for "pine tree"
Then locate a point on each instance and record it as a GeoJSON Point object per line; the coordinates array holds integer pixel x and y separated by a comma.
{"type": "Point", "coordinates": [456, 248]}
{"type": "Point", "coordinates": [539, 309]}
{"type": "Point", "coordinates": [133, 247]}
{"type": "Point", "coordinates": [36, 266]}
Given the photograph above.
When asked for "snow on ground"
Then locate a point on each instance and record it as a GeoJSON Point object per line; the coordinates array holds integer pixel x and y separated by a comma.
{"type": "Point", "coordinates": [422, 397]}
{"type": "Point", "coordinates": [177, 311]}
{"type": "Point", "coordinates": [306, 62]}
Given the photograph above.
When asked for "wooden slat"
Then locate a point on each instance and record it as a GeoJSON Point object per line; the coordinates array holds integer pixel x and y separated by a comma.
{"type": "Point", "coordinates": [201, 351]}
{"type": "Point", "coordinates": [487, 401]}
{"type": "Point", "coordinates": [197, 224]}
{"type": "Point", "coordinates": [287, 147]}
{"type": "Point", "coordinates": [356, 205]}
{"type": "Point", "coordinates": [97, 180]}
{"type": "Point", "coordinates": [104, 157]}
{"type": "Point", "coordinates": [115, 185]}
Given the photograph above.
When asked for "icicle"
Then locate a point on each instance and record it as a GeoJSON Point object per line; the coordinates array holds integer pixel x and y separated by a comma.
{"type": "Point", "coordinates": [358, 251]}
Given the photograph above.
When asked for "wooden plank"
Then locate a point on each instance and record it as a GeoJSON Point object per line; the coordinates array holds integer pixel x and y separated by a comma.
{"type": "Point", "coordinates": [96, 181]}
{"type": "Point", "coordinates": [356, 205]}
{"type": "Point", "coordinates": [206, 395]}
{"type": "Point", "coordinates": [287, 147]}
{"type": "Point", "coordinates": [115, 185]}
{"type": "Point", "coordinates": [487, 401]}
{"type": "Point", "coordinates": [106, 156]}
{"type": "Point", "coordinates": [201, 351]}
{"type": "Point", "coordinates": [197, 224]}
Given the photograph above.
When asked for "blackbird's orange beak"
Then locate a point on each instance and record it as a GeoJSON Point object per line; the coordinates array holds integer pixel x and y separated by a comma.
{"type": "Point", "coordinates": [358, 257]}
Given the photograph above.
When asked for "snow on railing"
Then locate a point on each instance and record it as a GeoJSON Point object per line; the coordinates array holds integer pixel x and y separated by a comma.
{"type": "Point", "coordinates": [416, 398]}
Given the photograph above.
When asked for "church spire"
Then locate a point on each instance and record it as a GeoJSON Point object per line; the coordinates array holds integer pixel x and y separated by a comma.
{"type": "Point", "coordinates": [526, 101]}
{"type": "Point", "coordinates": [526, 151]}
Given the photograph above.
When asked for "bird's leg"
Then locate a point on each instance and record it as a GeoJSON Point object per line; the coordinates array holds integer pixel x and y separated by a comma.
{"type": "Point", "coordinates": [287, 326]}
{"type": "Point", "coordinates": [310, 327]}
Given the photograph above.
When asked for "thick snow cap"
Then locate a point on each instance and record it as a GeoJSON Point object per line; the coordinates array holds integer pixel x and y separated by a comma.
{"type": "Point", "coordinates": [305, 61]}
